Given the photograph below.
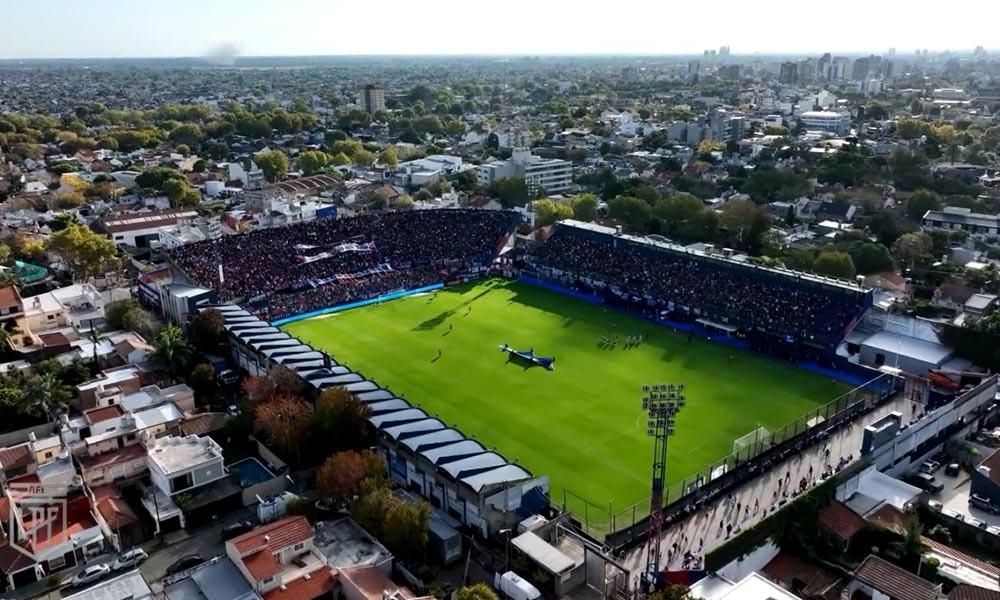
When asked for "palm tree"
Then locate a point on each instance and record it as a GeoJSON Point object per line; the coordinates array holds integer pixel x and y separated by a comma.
{"type": "Point", "coordinates": [95, 337]}
{"type": "Point", "coordinates": [42, 394]}
{"type": "Point", "coordinates": [171, 348]}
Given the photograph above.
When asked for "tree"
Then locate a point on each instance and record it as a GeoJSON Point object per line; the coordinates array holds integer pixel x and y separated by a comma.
{"type": "Point", "coordinates": [746, 224]}
{"type": "Point", "coordinates": [584, 207]}
{"type": "Point", "coordinates": [405, 528]}
{"type": "Point", "coordinates": [155, 178]}
{"type": "Point", "coordinates": [85, 253]}
{"type": "Point", "coordinates": [479, 591]}
{"type": "Point", "coordinates": [202, 381]}
{"type": "Point", "coordinates": [834, 263]}
{"type": "Point", "coordinates": [548, 212]}
{"type": "Point", "coordinates": [870, 258]}
{"type": "Point", "coordinates": [402, 203]}
{"type": "Point", "coordinates": [313, 161]}
{"type": "Point", "coordinates": [884, 227]}
{"type": "Point", "coordinates": [115, 312]}
{"type": "Point", "coordinates": [171, 349]}
{"type": "Point", "coordinates": [920, 202]}
{"type": "Point", "coordinates": [340, 418]}
{"type": "Point", "coordinates": [180, 194]}
{"type": "Point", "coordinates": [70, 200]}
{"type": "Point", "coordinates": [46, 393]}
{"type": "Point", "coordinates": [64, 220]}
{"type": "Point", "coordinates": [364, 158]}
{"type": "Point", "coordinates": [274, 163]}
{"type": "Point", "coordinates": [912, 248]}
{"type": "Point", "coordinates": [511, 192]}
{"type": "Point", "coordinates": [207, 332]}
{"type": "Point", "coordinates": [634, 212]}
{"type": "Point", "coordinates": [388, 157]}
{"type": "Point", "coordinates": [187, 134]}
{"type": "Point", "coordinates": [339, 478]}
{"type": "Point", "coordinates": [678, 209]}
{"type": "Point", "coordinates": [283, 418]}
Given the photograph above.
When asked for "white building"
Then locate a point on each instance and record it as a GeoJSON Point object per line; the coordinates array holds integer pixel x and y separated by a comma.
{"type": "Point", "coordinates": [140, 230]}
{"type": "Point", "coordinates": [551, 175]}
{"type": "Point", "coordinates": [824, 120]}
{"type": "Point", "coordinates": [179, 465]}
{"type": "Point", "coordinates": [951, 218]}
{"type": "Point", "coordinates": [79, 305]}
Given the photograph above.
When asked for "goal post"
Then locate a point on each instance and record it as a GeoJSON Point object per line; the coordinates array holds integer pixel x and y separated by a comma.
{"type": "Point", "coordinates": [747, 446]}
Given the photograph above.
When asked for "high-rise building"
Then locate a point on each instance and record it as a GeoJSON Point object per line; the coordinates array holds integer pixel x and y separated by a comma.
{"type": "Point", "coordinates": [865, 66]}
{"type": "Point", "coordinates": [789, 73]}
{"type": "Point", "coordinates": [729, 72]}
{"type": "Point", "coordinates": [693, 67]}
{"type": "Point", "coordinates": [539, 174]}
{"type": "Point", "coordinates": [373, 98]}
{"type": "Point", "coordinates": [630, 74]}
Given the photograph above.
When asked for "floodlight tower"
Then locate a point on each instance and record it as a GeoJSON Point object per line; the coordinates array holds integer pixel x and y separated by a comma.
{"type": "Point", "coordinates": [661, 402]}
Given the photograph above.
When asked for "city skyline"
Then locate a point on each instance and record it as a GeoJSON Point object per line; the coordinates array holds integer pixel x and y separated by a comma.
{"type": "Point", "coordinates": [225, 28]}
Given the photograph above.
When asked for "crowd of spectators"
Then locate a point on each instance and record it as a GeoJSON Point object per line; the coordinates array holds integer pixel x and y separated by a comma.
{"type": "Point", "coordinates": [394, 250]}
{"type": "Point", "coordinates": [756, 301]}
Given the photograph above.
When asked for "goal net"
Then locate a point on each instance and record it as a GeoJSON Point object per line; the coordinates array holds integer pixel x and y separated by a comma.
{"type": "Point", "coordinates": [750, 445]}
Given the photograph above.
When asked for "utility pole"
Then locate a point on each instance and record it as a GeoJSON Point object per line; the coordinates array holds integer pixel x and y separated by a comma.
{"type": "Point", "coordinates": [661, 402]}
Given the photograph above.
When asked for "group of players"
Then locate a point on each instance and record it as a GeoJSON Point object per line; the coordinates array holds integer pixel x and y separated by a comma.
{"type": "Point", "coordinates": [608, 342]}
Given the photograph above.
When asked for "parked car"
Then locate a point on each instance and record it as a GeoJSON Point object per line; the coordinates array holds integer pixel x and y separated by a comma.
{"type": "Point", "coordinates": [90, 574]}
{"type": "Point", "coordinates": [184, 563]}
{"type": "Point", "coordinates": [929, 466]}
{"type": "Point", "coordinates": [975, 522]}
{"type": "Point", "coordinates": [954, 514]}
{"type": "Point", "coordinates": [129, 559]}
{"type": "Point", "coordinates": [983, 503]}
{"type": "Point", "coordinates": [935, 505]}
{"type": "Point", "coordinates": [994, 530]}
{"type": "Point", "coordinates": [953, 469]}
{"type": "Point", "coordinates": [236, 529]}
{"type": "Point", "coordinates": [924, 481]}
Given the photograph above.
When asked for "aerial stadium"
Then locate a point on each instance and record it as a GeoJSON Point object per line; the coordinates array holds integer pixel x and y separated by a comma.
{"type": "Point", "coordinates": [495, 364]}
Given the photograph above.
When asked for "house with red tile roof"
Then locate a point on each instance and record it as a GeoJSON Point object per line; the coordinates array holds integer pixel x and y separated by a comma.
{"type": "Point", "coordinates": [48, 528]}
{"type": "Point", "coordinates": [280, 561]}
{"type": "Point", "coordinates": [879, 578]}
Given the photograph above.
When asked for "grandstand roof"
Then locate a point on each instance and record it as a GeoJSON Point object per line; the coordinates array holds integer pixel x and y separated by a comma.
{"type": "Point", "coordinates": [396, 417]}
{"type": "Point", "coordinates": [799, 275]}
{"type": "Point", "coordinates": [406, 430]}
{"type": "Point", "coordinates": [450, 451]}
{"type": "Point", "coordinates": [433, 439]}
{"type": "Point", "coordinates": [463, 459]}
{"type": "Point", "coordinates": [386, 406]}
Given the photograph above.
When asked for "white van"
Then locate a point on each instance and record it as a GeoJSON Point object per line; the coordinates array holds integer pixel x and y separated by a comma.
{"type": "Point", "coordinates": [511, 585]}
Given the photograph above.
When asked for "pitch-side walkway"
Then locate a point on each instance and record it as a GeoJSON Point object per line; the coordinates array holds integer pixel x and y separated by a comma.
{"type": "Point", "coordinates": [718, 521]}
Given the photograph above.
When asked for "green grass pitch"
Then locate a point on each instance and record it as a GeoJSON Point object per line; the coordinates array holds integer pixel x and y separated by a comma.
{"type": "Point", "coordinates": [582, 423]}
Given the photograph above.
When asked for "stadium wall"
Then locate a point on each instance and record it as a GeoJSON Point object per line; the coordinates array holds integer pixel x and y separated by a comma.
{"type": "Point", "coordinates": [342, 307]}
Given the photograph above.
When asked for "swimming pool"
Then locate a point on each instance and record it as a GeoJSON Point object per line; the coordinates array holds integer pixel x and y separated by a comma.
{"type": "Point", "coordinates": [250, 471]}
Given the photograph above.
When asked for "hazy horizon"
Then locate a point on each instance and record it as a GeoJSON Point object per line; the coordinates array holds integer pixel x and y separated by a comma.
{"type": "Point", "coordinates": [120, 29]}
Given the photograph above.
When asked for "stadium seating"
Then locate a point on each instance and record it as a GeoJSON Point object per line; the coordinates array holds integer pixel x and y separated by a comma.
{"type": "Point", "coordinates": [770, 308]}
{"type": "Point", "coordinates": [290, 270]}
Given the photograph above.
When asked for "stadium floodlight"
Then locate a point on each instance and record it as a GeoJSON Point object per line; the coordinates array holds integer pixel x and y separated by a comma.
{"type": "Point", "coordinates": [662, 402]}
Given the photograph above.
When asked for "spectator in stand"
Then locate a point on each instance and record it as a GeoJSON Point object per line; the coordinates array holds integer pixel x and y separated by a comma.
{"type": "Point", "coordinates": [762, 304]}
{"type": "Point", "coordinates": [303, 267]}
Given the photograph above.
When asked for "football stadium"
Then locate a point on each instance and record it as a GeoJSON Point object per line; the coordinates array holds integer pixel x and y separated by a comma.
{"type": "Point", "coordinates": [581, 422]}
{"type": "Point", "coordinates": [488, 363]}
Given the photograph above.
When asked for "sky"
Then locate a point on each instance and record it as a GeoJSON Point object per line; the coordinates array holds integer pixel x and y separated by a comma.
{"type": "Point", "coordinates": [185, 28]}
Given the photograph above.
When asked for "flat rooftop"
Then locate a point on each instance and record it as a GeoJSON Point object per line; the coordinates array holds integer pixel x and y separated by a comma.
{"type": "Point", "coordinates": [173, 454]}
{"type": "Point", "coordinates": [346, 544]}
